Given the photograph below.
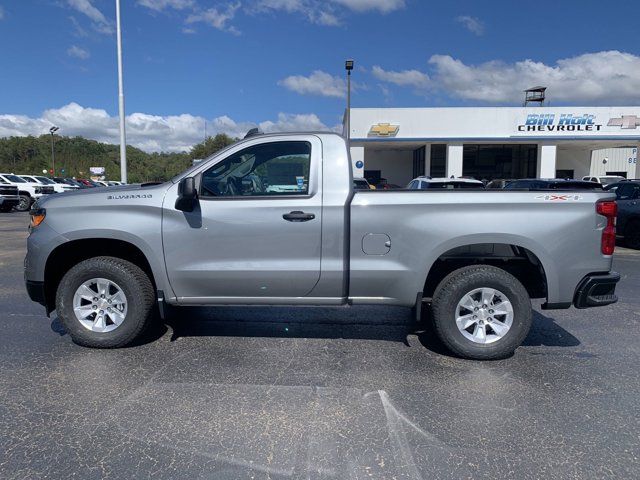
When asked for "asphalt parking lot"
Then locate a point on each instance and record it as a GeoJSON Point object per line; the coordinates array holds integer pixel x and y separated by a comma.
{"type": "Point", "coordinates": [344, 393]}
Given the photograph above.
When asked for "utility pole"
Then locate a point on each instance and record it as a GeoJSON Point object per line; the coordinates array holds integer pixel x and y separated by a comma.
{"type": "Point", "coordinates": [348, 65]}
{"type": "Point", "coordinates": [53, 131]}
{"type": "Point", "coordinates": [123, 138]}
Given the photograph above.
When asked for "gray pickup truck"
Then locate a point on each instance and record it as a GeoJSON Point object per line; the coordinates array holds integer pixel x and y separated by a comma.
{"type": "Point", "coordinates": [275, 220]}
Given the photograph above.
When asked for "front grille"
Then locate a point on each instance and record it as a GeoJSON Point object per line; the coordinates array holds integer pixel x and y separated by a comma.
{"type": "Point", "coordinates": [47, 189]}
{"type": "Point", "coordinates": [8, 190]}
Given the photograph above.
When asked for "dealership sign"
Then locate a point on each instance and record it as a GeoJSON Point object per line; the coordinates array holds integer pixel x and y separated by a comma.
{"type": "Point", "coordinates": [566, 122]}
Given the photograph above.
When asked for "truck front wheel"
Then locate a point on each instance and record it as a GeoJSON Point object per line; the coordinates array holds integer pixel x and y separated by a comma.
{"type": "Point", "coordinates": [481, 312]}
{"type": "Point", "coordinates": [105, 302]}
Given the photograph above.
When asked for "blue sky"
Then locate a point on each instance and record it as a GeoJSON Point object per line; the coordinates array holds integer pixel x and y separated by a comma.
{"type": "Point", "coordinates": [279, 63]}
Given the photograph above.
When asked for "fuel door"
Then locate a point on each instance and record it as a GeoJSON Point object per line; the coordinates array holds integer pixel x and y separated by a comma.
{"type": "Point", "coordinates": [376, 244]}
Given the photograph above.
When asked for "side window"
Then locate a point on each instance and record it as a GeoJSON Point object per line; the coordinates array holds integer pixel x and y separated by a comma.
{"type": "Point", "coordinates": [625, 192]}
{"type": "Point", "coordinates": [424, 186]}
{"type": "Point", "coordinates": [413, 184]}
{"type": "Point", "coordinates": [268, 169]}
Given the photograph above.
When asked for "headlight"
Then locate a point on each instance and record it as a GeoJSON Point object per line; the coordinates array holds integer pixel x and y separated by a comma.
{"type": "Point", "coordinates": [37, 216]}
{"type": "Point", "coordinates": [38, 189]}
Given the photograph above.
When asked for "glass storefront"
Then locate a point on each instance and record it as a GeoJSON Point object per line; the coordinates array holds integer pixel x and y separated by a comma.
{"type": "Point", "coordinates": [488, 162]}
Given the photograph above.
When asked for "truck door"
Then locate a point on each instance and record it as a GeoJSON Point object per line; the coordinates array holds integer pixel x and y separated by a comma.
{"type": "Point", "coordinates": [256, 230]}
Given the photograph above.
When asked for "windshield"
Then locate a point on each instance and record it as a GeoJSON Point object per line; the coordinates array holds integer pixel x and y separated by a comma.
{"type": "Point", "coordinates": [610, 180]}
{"type": "Point", "coordinates": [192, 168]}
{"type": "Point", "coordinates": [45, 180]}
{"type": "Point", "coordinates": [15, 179]}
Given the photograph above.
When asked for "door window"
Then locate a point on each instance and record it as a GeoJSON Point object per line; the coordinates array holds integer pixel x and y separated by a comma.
{"type": "Point", "coordinates": [268, 169]}
{"type": "Point", "coordinates": [626, 191]}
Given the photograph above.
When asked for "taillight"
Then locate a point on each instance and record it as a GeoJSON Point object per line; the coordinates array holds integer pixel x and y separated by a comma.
{"type": "Point", "coordinates": [608, 209]}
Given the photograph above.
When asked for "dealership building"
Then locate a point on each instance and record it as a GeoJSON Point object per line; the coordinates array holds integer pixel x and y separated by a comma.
{"type": "Point", "coordinates": [399, 144]}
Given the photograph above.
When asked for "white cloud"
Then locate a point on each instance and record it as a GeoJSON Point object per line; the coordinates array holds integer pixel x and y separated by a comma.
{"type": "Point", "coordinates": [160, 5]}
{"type": "Point", "coordinates": [318, 83]}
{"type": "Point", "coordinates": [1, 12]}
{"type": "Point", "coordinates": [77, 52]}
{"type": "Point", "coordinates": [473, 24]}
{"type": "Point", "coordinates": [148, 132]}
{"type": "Point", "coordinates": [216, 18]}
{"type": "Point", "coordinates": [383, 6]}
{"type": "Point", "coordinates": [100, 22]}
{"type": "Point", "coordinates": [608, 77]}
{"type": "Point", "coordinates": [320, 12]}
{"type": "Point", "coordinates": [405, 78]}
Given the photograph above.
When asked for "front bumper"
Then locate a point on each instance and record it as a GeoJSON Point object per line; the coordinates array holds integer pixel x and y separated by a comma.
{"type": "Point", "coordinates": [596, 290]}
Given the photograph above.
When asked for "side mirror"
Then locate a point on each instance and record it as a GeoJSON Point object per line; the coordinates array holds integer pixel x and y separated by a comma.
{"type": "Point", "coordinates": [187, 195]}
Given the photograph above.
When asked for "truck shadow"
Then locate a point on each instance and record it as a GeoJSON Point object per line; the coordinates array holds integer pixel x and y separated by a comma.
{"type": "Point", "coordinates": [391, 324]}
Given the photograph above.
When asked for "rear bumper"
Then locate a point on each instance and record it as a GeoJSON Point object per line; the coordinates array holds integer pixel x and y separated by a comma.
{"type": "Point", "coordinates": [36, 292]}
{"type": "Point", "coordinates": [596, 290]}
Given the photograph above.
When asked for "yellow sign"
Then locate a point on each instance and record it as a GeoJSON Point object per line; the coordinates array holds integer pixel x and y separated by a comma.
{"type": "Point", "coordinates": [384, 130]}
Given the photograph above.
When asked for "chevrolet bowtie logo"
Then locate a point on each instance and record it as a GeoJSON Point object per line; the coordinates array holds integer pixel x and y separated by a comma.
{"type": "Point", "coordinates": [626, 121]}
{"type": "Point", "coordinates": [384, 130]}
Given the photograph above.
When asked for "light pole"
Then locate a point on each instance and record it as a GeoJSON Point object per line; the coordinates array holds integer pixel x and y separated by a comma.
{"type": "Point", "coordinates": [348, 65]}
{"type": "Point", "coordinates": [53, 131]}
{"type": "Point", "coordinates": [123, 139]}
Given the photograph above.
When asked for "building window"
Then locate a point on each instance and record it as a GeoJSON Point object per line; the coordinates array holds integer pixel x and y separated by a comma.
{"type": "Point", "coordinates": [438, 160]}
{"type": "Point", "coordinates": [489, 162]}
{"type": "Point", "coordinates": [418, 162]}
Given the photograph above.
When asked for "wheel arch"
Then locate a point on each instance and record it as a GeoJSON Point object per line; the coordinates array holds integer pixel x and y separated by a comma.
{"type": "Point", "coordinates": [514, 257]}
{"type": "Point", "coordinates": [70, 253]}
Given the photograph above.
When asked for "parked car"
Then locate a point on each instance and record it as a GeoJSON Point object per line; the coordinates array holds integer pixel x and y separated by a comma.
{"type": "Point", "coordinates": [425, 183]}
{"type": "Point", "coordinates": [498, 183]}
{"type": "Point", "coordinates": [628, 220]}
{"type": "Point", "coordinates": [58, 188]}
{"type": "Point", "coordinates": [383, 184]}
{"type": "Point", "coordinates": [362, 184]}
{"type": "Point", "coordinates": [88, 183]}
{"type": "Point", "coordinates": [29, 192]}
{"type": "Point", "coordinates": [604, 179]}
{"type": "Point", "coordinates": [551, 184]}
{"type": "Point", "coordinates": [9, 197]}
{"type": "Point", "coordinates": [469, 254]}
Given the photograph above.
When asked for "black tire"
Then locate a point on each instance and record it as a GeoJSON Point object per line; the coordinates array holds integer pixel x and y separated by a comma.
{"type": "Point", "coordinates": [25, 203]}
{"type": "Point", "coordinates": [632, 234]}
{"type": "Point", "coordinates": [136, 286]}
{"type": "Point", "coordinates": [455, 286]}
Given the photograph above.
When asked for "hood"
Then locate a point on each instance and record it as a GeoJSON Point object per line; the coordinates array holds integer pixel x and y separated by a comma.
{"type": "Point", "coordinates": [123, 194]}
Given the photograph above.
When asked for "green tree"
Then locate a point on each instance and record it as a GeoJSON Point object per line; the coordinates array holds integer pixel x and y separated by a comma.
{"type": "Point", "coordinates": [211, 145]}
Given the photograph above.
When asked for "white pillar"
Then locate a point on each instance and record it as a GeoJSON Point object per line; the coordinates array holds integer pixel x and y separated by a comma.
{"type": "Point", "coordinates": [454, 160]}
{"type": "Point", "coordinates": [427, 159]}
{"type": "Point", "coordinates": [636, 158]}
{"type": "Point", "coordinates": [357, 159]}
{"type": "Point", "coordinates": [547, 161]}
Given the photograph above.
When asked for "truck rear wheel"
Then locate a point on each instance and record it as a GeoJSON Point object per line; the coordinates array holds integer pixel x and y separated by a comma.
{"type": "Point", "coordinates": [105, 302]}
{"type": "Point", "coordinates": [481, 312]}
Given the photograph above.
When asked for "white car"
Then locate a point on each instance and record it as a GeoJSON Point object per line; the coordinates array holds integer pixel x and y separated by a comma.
{"type": "Point", "coordinates": [425, 183]}
{"type": "Point", "coordinates": [58, 188]}
{"type": "Point", "coordinates": [29, 191]}
{"type": "Point", "coordinates": [604, 179]}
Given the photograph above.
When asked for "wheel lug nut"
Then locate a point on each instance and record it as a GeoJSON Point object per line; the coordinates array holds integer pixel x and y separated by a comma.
{"type": "Point", "coordinates": [475, 316]}
{"type": "Point", "coordinates": [475, 309]}
{"type": "Point", "coordinates": [95, 299]}
{"type": "Point", "coordinates": [490, 311]}
{"type": "Point", "coordinates": [95, 307]}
